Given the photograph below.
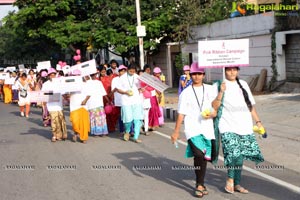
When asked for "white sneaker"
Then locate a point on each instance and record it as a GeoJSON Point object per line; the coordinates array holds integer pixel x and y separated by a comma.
{"type": "Point", "coordinates": [22, 114]}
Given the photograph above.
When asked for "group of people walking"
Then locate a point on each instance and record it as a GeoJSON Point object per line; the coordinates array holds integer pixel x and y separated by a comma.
{"type": "Point", "coordinates": [113, 98]}
{"type": "Point", "coordinates": [220, 113]}
{"type": "Point", "coordinates": [223, 111]}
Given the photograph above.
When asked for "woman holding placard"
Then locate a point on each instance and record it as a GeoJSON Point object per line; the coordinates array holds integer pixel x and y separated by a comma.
{"type": "Point", "coordinates": [235, 105]}
{"type": "Point", "coordinates": [58, 122]}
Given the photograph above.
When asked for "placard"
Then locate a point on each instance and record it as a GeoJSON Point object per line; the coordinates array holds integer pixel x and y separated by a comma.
{"type": "Point", "coordinates": [223, 53]}
{"type": "Point", "coordinates": [153, 82]}
{"type": "Point", "coordinates": [21, 66]}
{"type": "Point", "coordinates": [68, 84]}
{"type": "Point", "coordinates": [10, 81]}
{"type": "Point", "coordinates": [4, 76]}
{"type": "Point", "coordinates": [10, 69]}
{"type": "Point", "coordinates": [86, 68]}
{"type": "Point", "coordinates": [44, 96]}
{"type": "Point", "coordinates": [43, 65]}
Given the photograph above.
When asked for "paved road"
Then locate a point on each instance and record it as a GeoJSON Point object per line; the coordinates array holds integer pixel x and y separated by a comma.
{"type": "Point", "coordinates": [33, 168]}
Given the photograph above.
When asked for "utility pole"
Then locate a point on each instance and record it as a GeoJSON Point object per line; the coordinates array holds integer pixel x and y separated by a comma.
{"type": "Point", "coordinates": [141, 32]}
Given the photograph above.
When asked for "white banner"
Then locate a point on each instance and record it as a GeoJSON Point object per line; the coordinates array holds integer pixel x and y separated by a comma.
{"type": "Point", "coordinates": [21, 66]}
{"type": "Point", "coordinates": [10, 81]}
{"type": "Point", "coordinates": [10, 69]}
{"type": "Point", "coordinates": [4, 76]}
{"type": "Point", "coordinates": [86, 68]}
{"type": "Point", "coordinates": [43, 65]}
{"type": "Point", "coordinates": [68, 84]}
{"type": "Point", "coordinates": [223, 53]}
{"type": "Point", "coordinates": [42, 96]}
{"type": "Point", "coordinates": [153, 82]}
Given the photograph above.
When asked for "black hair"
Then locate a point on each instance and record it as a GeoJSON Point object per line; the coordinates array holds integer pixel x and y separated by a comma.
{"type": "Point", "coordinates": [44, 79]}
{"type": "Point", "coordinates": [245, 94]}
{"type": "Point", "coordinates": [100, 68]}
{"type": "Point", "coordinates": [139, 71]}
{"type": "Point", "coordinates": [61, 73]}
{"type": "Point", "coordinates": [114, 61]}
{"type": "Point", "coordinates": [109, 71]}
{"type": "Point", "coordinates": [24, 75]}
{"type": "Point", "coordinates": [146, 66]}
{"type": "Point", "coordinates": [132, 66]}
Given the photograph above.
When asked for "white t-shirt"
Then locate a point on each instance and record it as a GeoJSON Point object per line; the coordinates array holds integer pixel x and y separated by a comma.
{"type": "Point", "coordinates": [52, 106]}
{"type": "Point", "coordinates": [236, 116]}
{"type": "Point", "coordinates": [130, 83]}
{"type": "Point", "coordinates": [117, 95]}
{"type": "Point", "coordinates": [77, 98]}
{"type": "Point", "coordinates": [146, 101]}
{"type": "Point", "coordinates": [194, 123]}
{"type": "Point", "coordinates": [96, 90]}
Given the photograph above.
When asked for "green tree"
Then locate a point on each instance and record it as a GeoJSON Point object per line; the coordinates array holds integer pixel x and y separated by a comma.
{"type": "Point", "coordinates": [114, 24]}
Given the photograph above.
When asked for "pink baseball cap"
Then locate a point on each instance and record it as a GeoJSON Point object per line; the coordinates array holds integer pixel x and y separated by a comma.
{"type": "Point", "coordinates": [51, 71]}
{"type": "Point", "coordinates": [122, 67]}
{"type": "Point", "coordinates": [156, 70]}
{"type": "Point", "coordinates": [44, 74]}
{"type": "Point", "coordinates": [186, 68]}
{"type": "Point", "coordinates": [196, 69]}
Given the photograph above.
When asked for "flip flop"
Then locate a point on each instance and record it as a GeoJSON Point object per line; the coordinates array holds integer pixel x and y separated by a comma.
{"type": "Point", "coordinates": [198, 193]}
{"type": "Point", "coordinates": [229, 187]}
{"type": "Point", "coordinates": [240, 189]}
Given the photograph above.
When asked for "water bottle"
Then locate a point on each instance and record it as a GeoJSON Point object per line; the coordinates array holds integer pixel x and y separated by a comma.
{"type": "Point", "coordinates": [176, 144]}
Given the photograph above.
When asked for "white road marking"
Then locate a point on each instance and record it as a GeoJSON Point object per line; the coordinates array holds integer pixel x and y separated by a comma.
{"type": "Point", "coordinates": [270, 178]}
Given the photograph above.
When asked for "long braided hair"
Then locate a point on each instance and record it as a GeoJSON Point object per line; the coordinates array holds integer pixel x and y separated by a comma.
{"type": "Point", "coordinates": [245, 94]}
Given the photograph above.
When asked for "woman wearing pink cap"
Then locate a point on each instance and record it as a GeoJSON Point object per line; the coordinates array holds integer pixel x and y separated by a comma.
{"type": "Point", "coordinates": [45, 113]}
{"type": "Point", "coordinates": [185, 79]}
{"type": "Point", "coordinates": [195, 109]}
{"type": "Point", "coordinates": [160, 95]}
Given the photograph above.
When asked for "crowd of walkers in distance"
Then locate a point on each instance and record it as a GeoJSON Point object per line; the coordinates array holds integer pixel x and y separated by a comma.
{"type": "Point", "coordinates": [113, 99]}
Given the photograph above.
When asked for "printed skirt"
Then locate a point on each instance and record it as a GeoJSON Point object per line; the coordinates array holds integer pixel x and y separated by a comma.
{"type": "Point", "coordinates": [235, 145]}
{"type": "Point", "coordinates": [98, 121]}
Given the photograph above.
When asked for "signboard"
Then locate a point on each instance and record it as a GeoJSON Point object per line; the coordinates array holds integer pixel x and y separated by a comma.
{"type": "Point", "coordinates": [153, 82]}
{"type": "Point", "coordinates": [7, 2]}
{"type": "Point", "coordinates": [223, 53]}
{"type": "Point", "coordinates": [22, 66]}
{"type": "Point", "coordinates": [43, 65]}
{"type": "Point", "coordinates": [68, 84]}
{"type": "Point", "coordinates": [86, 68]}
{"type": "Point", "coordinates": [4, 76]}
{"type": "Point", "coordinates": [10, 69]}
{"type": "Point", "coordinates": [10, 81]}
{"type": "Point", "coordinates": [43, 96]}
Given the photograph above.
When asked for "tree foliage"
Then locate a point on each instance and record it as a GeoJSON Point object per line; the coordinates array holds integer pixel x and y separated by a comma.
{"type": "Point", "coordinates": [104, 23]}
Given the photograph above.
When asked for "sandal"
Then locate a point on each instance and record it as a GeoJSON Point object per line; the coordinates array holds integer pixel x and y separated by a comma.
{"type": "Point", "coordinates": [229, 187]}
{"type": "Point", "coordinates": [53, 139]}
{"type": "Point", "coordinates": [240, 189]}
{"type": "Point", "coordinates": [199, 193]}
{"type": "Point", "coordinates": [74, 138]}
{"type": "Point", "coordinates": [126, 136]}
{"type": "Point", "coordinates": [135, 140]}
{"type": "Point", "coordinates": [203, 190]}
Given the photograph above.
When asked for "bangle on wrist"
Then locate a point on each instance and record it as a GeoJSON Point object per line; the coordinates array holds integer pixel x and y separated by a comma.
{"type": "Point", "coordinates": [258, 122]}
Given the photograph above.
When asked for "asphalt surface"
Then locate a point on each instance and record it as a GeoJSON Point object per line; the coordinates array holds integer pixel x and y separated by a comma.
{"type": "Point", "coordinates": [33, 168]}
